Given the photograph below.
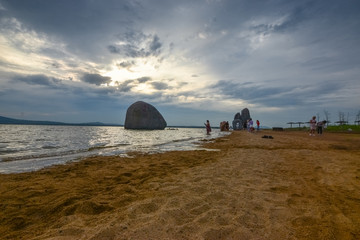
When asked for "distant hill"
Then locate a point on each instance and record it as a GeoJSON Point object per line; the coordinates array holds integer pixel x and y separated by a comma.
{"type": "Point", "coordinates": [5, 120]}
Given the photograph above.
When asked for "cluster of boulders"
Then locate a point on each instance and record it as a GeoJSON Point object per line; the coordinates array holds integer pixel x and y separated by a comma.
{"type": "Point", "coordinates": [240, 120]}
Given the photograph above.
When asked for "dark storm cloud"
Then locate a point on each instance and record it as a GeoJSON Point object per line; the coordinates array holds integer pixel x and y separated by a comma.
{"type": "Point", "coordinates": [128, 85]}
{"type": "Point", "coordinates": [84, 26]}
{"type": "Point", "coordinates": [69, 18]}
{"type": "Point", "coordinates": [277, 96]}
{"type": "Point", "coordinates": [143, 79]}
{"type": "Point", "coordinates": [160, 85]}
{"type": "Point", "coordinates": [245, 91]}
{"type": "Point", "coordinates": [52, 52]}
{"type": "Point", "coordinates": [96, 79]}
{"type": "Point", "coordinates": [38, 80]}
{"type": "Point", "coordinates": [296, 16]}
{"type": "Point", "coordinates": [114, 49]}
{"type": "Point", "coordinates": [126, 64]}
{"type": "Point", "coordinates": [155, 44]}
{"type": "Point", "coordinates": [329, 64]}
{"type": "Point", "coordinates": [56, 65]}
{"type": "Point", "coordinates": [137, 44]}
{"type": "Point", "coordinates": [125, 86]}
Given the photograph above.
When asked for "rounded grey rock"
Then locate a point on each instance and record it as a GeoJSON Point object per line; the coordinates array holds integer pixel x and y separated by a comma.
{"type": "Point", "coordinates": [142, 115]}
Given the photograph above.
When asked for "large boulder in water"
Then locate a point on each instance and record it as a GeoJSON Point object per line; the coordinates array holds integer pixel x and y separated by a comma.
{"type": "Point", "coordinates": [141, 115]}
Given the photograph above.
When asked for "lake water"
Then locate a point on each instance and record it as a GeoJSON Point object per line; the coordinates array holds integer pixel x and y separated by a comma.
{"type": "Point", "coordinates": [31, 147]}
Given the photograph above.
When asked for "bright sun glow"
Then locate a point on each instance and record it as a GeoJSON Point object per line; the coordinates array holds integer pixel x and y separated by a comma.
{"type": "Point", "coordinates": [172, 75]}
{"type": "Point", "coordinates": [137, 70]}
{"type": "Point", "coordinates": [143, 88]}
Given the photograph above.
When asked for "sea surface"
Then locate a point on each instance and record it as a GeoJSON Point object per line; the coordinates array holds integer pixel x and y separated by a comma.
{"type": "Point", "coordinates": [25, 148]}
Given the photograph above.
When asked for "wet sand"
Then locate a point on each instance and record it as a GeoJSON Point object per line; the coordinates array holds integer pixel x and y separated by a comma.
{"type": "Point", "coordinates": [291, 187]}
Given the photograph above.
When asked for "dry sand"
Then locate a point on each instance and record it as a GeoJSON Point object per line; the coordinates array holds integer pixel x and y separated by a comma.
{"type": "Point", "coordinates": [291, 187]}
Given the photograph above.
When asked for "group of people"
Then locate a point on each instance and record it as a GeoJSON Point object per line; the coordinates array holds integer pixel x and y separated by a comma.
{"type": "Point", "coordinates": [316, 126]}
{"type": "Point", "coordinates": [247, 125]}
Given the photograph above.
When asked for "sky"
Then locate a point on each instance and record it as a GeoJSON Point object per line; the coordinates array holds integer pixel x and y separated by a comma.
{"type": "Point", "coordinates": [89, 60]}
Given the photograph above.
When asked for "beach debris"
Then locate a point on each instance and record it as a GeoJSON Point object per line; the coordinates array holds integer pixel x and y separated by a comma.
{"type": "Point", "coordinates": [142, 115]}
{"type": "Point", "coordinates": [241, 119]}
{"type": "Point", "coordinates": [268, 136]}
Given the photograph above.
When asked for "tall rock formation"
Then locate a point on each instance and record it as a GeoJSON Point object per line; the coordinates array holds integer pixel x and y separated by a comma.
{"type": "Point", "coordinates": [245, 114]}
{"type": "Point", "coordinates": [142, 115]}
{"type": "Point", "coordinates": [237, 122]}
{"type": "Point", "coordinates": [240, 119]}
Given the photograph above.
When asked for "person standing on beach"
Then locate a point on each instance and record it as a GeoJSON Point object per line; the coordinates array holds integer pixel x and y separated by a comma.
{"type": "Point", "coordinates": [208, 128]}
{"type": "Point", "coordinates": [257, 125]}
{"type": "Point", "coordinates": [250, 125]}
{"type": "Point", "coordinates": [320, 127]}
{"type": "Point", "coordinates": [312, 126]}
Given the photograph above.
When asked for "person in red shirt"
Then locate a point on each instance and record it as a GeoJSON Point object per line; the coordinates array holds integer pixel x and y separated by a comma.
{"type": "Point", "coordinates": [257, 125]}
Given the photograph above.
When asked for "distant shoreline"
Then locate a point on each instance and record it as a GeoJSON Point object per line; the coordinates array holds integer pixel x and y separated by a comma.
{"type": "Point", "coordinates": [14, 121]}
{"type": "Point", "coordinates": [6, 120]}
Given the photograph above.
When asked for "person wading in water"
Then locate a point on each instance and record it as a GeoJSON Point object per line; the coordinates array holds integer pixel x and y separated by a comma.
{"type": "Point", "coordinates": [208, 128]}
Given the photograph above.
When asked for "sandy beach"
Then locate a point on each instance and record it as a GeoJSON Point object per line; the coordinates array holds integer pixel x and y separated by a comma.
{"type": "Point", "coordinates": [293, 186]}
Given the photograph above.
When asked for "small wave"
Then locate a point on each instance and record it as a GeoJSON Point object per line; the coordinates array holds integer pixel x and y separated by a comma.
{"type": "Point", "coordinates": [97, 148]}
{"type": "Point", "coordinates": [54, 154]}
{"type": "Point", "coordinates": [3, 145]}
{"type": "Point", "coordinates": [122, 144]}
{"type": "Point", "coordinates": [39, 156]}
{"type": "Point", "coordinates": [7, 151]}
{"type": "Point", "coordinates": [184, 139]}
{"type": "Point", "coordinates": [94, 148]}
{"type": "Point", "coordinates": [49, 147]}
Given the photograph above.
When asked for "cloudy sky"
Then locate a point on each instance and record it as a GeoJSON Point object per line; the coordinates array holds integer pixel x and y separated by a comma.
{"type": "Point", "coordinates": [89, 60]}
